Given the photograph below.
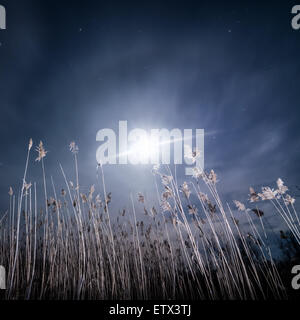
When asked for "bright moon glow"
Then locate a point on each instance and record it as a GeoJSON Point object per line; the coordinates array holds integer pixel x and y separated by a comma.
{"type": "Point", "coordinates": [144, 150]}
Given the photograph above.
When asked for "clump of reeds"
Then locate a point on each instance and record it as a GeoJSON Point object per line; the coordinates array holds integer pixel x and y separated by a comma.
{"type": "Point", "coordinates": [190, 247]}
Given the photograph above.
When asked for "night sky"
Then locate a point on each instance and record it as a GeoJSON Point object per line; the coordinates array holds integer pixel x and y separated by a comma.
{"type": "Point", "coordinates": [71, 68]}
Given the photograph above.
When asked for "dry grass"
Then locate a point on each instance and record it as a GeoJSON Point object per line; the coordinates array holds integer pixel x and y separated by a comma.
{"type": "Point", "coordinates": [71, 248]}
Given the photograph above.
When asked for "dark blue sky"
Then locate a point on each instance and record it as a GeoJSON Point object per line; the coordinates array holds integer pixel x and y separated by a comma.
{"type": "Point", "coordinates": [70, 68]}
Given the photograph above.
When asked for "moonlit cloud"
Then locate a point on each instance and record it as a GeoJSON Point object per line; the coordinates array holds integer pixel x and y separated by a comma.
{"type": "Point", "coordinates": [172, 65]}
